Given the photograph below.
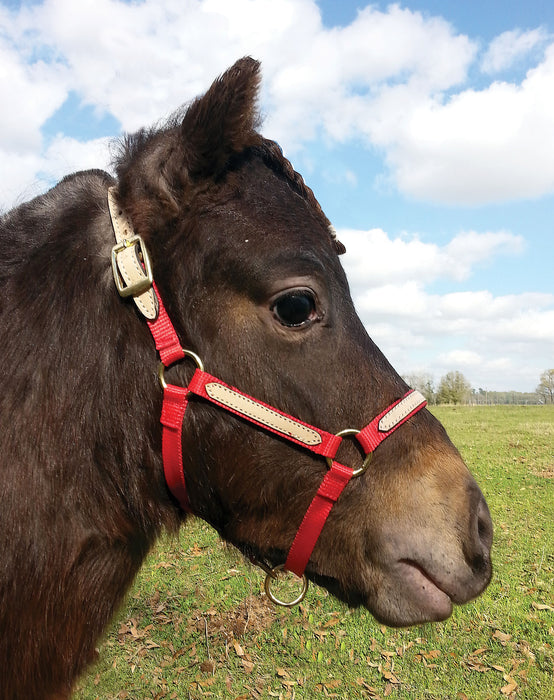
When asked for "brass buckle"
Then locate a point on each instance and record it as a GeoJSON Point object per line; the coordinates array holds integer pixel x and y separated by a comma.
{"type": "Point", "coordinates": [141, 285]}
{"type": "Point", "coordinates": [367, 459]}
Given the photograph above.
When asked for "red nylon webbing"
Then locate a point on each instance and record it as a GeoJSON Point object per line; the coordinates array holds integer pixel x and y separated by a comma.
{"type": "Point", "coordinates": [370, 436]}
{"type": "Point", "coordinates": [311, 526]}
{"type": "Point", "coordinates": [173, 407]}
{"type": "Point", "coordinates": [173, 414]}
{"type": "Point", "coordinates": [165, 336]}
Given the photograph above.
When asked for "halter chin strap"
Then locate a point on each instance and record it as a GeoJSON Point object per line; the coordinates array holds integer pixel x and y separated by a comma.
{"type": "Point", "coordinates": [133, 276]}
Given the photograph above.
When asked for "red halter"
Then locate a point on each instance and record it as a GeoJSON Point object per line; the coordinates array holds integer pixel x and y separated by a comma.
{"type": "Point", "coordinates": [135, 280]}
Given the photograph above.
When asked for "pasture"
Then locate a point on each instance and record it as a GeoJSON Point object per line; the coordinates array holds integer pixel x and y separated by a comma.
{"type": "Point", "coordinates": [195, 624]}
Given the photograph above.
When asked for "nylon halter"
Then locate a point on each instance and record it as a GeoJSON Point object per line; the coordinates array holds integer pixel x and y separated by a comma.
{"type": "Point", "coordinates": [133, 277]}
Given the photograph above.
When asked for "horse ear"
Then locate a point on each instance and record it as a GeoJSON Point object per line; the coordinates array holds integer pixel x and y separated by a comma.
{"type": "Point", "coordinates": [223, 121]}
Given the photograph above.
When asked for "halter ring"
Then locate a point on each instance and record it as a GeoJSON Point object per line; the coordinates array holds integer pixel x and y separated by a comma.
{"type": "Point", "coordinates": [187, 353]}
{"type": "Point", "coordinates": [367, 458]}
{"type": "Point", "coordinates": [273, 575]}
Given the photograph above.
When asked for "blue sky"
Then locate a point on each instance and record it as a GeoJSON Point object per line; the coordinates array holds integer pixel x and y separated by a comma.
{"type": "Point", "coordinates": [425, 129]}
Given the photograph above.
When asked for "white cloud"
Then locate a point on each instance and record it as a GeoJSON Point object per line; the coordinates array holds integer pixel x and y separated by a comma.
{"type": "Point", "coordinates": [67, 154]}
{"type": "Point", "coordinates": [31, 92]}
{"type": "Point", "coordinates": [392, 77]}
{"type": "Point", "coordinates": [496, 340]}
{"type": "Point", "coordinates": [481, 146]}
{"type": "Point", "coordinates": [373, 258]}
{"type": "Point", "coordinates": [461, 359]}
{"type": "Point", "coordinates": [511, 46]}
{"type": "Point", "coordinates": [33, 173]}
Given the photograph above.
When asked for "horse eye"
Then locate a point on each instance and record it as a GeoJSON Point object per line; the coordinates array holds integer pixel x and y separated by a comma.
{"type": "Point", "coordinates": [295, 308]}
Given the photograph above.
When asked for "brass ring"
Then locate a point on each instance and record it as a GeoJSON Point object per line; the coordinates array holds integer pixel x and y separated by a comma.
{"type": "Point", "coordinates": [272, 576]}
{"type": "Point", "coordinates": [187, 353]}
{"type": "Point", "coordinates": [367, 458]}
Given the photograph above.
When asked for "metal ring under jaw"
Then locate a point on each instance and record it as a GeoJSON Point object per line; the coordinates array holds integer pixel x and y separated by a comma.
{"type": "Point", "coordinates": [188, 353]}
{"type": "Point", "coordinates": [367, 458]}
{"type": "Point", "coordinates": [272, 575]}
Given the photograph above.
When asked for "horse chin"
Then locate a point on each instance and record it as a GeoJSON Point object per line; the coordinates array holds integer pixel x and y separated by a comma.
{"type": "Point", "coordinates": [408, 596]}
{"type": "Point", "coordinates": [415, 597]}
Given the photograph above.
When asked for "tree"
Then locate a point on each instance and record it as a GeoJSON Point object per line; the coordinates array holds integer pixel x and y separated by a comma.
{"type": "Point", "coordinates": [545, 389]}
{"type": "Point", "coordinates": [423, 383]}
{"type": "Point", "coordinates": [453, 388]}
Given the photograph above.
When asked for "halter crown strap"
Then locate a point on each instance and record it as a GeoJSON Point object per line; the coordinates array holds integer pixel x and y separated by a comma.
{"type": "Point", "coordinates": [131, 266]}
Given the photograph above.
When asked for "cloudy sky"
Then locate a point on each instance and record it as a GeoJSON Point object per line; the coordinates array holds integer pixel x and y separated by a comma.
{"type": "Point", "coordinates": [425, 128]}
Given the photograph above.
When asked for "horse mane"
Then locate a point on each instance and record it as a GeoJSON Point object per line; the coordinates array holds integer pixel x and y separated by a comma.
{"type": "Point", "coordinates": [276, 160]}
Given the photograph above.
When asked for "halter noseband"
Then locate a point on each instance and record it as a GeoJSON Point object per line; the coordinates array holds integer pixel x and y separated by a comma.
{"type": "Point", "coordinates": [133, 277]}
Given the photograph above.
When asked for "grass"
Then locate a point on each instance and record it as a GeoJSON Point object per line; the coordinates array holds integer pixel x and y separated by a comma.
{"type": "Point", "coordinates": [196, 625]}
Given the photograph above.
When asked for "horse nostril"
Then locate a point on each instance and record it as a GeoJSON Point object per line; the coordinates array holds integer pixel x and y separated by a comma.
{"type": "Point", "coordinates": [477, 549]}
{"type": "Point", "coordinates": [484, 525]}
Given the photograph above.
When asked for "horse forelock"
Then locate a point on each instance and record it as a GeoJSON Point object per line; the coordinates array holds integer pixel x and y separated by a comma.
{"type": "Point", "coordinates": [142, 158]}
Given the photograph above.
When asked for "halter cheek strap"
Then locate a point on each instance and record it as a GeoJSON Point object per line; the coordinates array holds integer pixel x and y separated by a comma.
{"type": "Point", "coordinates": [133, 277]}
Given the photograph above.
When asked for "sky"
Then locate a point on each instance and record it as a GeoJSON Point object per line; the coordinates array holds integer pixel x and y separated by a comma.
{"type": "Point", "coordinates": [425, 129]}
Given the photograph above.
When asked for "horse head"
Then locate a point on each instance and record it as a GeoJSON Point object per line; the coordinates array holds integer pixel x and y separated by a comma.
{"type": "Point", "coordinates": [249, 268]}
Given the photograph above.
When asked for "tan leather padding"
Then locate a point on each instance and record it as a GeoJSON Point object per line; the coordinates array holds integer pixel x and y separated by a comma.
{"type": "Point", "coordinates": [262, 414]}
{"type": "Point", "coordinates": [400, 411]}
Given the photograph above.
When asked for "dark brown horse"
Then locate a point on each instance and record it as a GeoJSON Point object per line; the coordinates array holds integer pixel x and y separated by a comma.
{"type": "Point", "coordinates": [249, 272]}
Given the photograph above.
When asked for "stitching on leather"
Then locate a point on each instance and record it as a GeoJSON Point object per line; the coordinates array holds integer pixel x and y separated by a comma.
{"type": "Point", "coordinates": [315, 438]}
{"type": "Point", "coordinates": [400, 411]}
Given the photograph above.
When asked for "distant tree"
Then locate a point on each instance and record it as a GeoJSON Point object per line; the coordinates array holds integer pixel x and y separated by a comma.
{"type": "Point", "coordinates": [453, 388]}
{"type": "Point", "coordinates": [545, 388]}
{"type": "Point", "coordinates": [423, 383]}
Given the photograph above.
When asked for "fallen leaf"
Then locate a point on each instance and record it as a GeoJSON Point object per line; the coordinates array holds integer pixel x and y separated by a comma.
{"type": "Point", "coordinates": [207, 666]}
{"type": "Point", "coordinates": [388, 675]}
{"type": "Point", "coordinates": [502, 637]}
{"type": "Point", "coordinates": [477, 666]}
{"type": "Point", "coordinates": [478, 652]}
{"type": "Point", "coordinates": [510, 687]}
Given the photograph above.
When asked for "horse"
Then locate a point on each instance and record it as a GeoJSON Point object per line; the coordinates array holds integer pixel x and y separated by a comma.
{"type": "Point", "coordinates": [271, 414]}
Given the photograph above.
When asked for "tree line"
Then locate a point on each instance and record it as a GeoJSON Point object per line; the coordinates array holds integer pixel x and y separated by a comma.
{"type": "Point", "coordinates": [454, 388]}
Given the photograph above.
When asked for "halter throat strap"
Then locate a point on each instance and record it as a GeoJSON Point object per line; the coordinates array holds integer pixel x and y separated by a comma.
{"type": "Point", "coordinates": [133, 277]}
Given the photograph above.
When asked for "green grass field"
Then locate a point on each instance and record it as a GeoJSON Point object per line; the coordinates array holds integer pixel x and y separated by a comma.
{"type": "Point", "coordinates": [197, 626]}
